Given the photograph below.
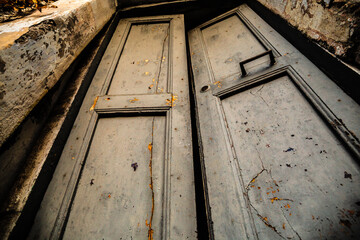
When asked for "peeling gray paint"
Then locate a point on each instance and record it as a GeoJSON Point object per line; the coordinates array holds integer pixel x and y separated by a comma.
{"type": "Point", "coordinates": [333, 25]}
{"type": "Point", "coordinates": [39, 54]}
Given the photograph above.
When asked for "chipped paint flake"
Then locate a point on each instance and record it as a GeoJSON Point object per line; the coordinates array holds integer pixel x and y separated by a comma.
{"type": "Point", "coordinates": [218, 84]}
{"type": "Point", "coordinates": [171, 102]}
{"type": "Point", "coordinates": [133, 100]}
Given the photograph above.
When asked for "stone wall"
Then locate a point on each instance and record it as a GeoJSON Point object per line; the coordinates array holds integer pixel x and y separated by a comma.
{"type": "Point", "coordinates": [37, 49]}
{"type": "Point", "coordinates": [334, 24]}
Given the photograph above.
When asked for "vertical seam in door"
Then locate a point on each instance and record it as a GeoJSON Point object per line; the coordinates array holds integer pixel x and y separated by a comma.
{"type": "Point", "coordinates": [161, 59]}
{"type": "Point", "coordinates": [228, 135]}
{"type": "Point", "coordinates": [150, 146]}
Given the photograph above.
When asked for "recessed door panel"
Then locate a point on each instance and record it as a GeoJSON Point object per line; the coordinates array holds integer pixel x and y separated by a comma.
{"type": "Point", "coordinates": [290, 161]}
{"type": "Point", "coordinates": [115, 180]}
{"type": "Point", "coordinates": [228, 42]}
{"type": "Point", "coordinates": [143, 65]}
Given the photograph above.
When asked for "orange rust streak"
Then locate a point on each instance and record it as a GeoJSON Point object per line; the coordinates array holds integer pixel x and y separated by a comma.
{"type": "Point", "coordinates": [95, 101]}
{"type": "Point", "coordinates": [151, 231]}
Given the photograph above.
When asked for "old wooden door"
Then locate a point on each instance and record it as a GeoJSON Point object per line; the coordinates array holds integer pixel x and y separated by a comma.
{"type": "Point", "coordinates": [126, 171]}
{"type": "Point", "coordinates": [278, 138]}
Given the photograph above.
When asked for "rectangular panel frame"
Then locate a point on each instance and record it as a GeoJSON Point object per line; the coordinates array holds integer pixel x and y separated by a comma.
{"type": "Point", "coordinates": [129, 23]}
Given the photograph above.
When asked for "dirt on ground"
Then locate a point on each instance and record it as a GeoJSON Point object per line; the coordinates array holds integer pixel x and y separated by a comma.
{"type": "Point", "coordinates": [15, 9]}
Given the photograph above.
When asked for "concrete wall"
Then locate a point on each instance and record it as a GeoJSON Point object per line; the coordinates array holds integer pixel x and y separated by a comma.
{"type": "Point", "coordinates": [131, 3]}
{"type": "Point", "coordinates": [331, 23]}
{"type": "Point", "coordinates": [35, 52]}
{"type": "Point", "coordinates": [37, 49]}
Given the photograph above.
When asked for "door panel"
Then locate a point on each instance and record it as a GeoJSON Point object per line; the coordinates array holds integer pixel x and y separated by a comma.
{"type": "Point", "coordinates": [227, 42]}
{"type": "Point", "coordinates": [280, 139]}
{"type": "Point", "coordinates": [277, 150]}
{"type": "Point", "coordinates": [144, 59]}
{"type": "Point", "coordinates": [112, 188]}
{"type": "Point", "coordinates": [126, 170]}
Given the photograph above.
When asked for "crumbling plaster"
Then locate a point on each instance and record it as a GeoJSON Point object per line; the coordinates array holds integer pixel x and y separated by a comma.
{"type": "Point", "coordinates": [37, 49]}
{"type": "Point", "coordinates": [334, 24]}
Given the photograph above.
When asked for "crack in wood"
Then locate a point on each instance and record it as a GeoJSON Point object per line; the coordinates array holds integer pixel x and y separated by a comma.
{"type": "Point", "coordinates": [287, 220]}
{"type": "Point", "coordinates": [149, 224]}
{"type": "Point", "coordinates": [264, 220]}
{"type": "Point", "coordinates": [258, 95]}
{"type": "Point", "coordinates": [280, 199]}
{"type": "Point", "coordinates": [258, 153]}
{"type": "Point", "coordinates": [150, 147]}
{"type": "Point", "coordinates": [254, 178]}
{"type": "Point", "coordinates": [161, 59]}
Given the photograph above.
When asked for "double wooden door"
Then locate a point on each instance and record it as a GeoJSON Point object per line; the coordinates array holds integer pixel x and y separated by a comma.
{"type": "Point", "coordinates": [277, 139]}
{"type": "Point", "coordinates": [126, 171]}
